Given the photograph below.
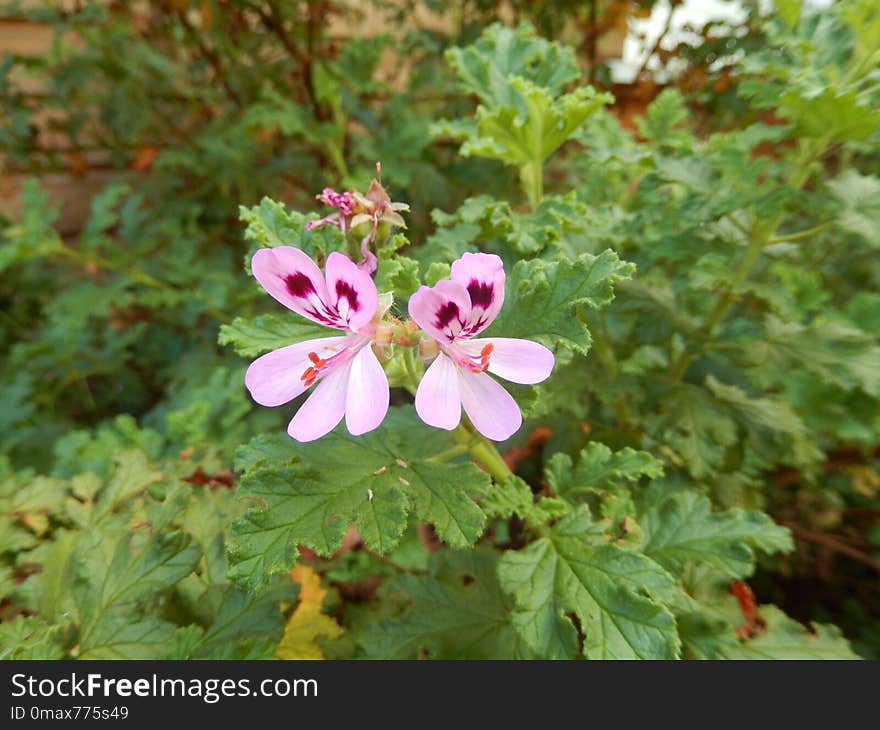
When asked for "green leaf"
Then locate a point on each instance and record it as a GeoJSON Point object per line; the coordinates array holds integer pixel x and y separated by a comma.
{"type": "Point", "coordinates": [457, 612]}
{"type": "Point", "coordinates": [486, 223]}
{"type": "Point", "coordinates": [700, 431]}
{"type": "Point", "coordinates": [789, 11]}
{"type": "Point", "coordinates": [111, 575]}
{"type": "Point", "coordinates": [271, 224]}
{"type": "Point", "coordinates": [840, 354]}
{"type": "Point", "coordinates": [663, 119]}
{"type": "Point", "coordinates": [599, 468]}
{"type": "Point", "coordinates": [786, 639]}
{"type": "Point", "coordinates": [485, 67]}
{"type": "Point", "coordinates": [859, 199]}
{"type": "Point", "coordinates": [832, 113]}
{"type": "Point", "coordinates": [774, 431]}
{"type": "Point", "coordinates": [610, 590]}
{"type": "Point", "coordinates": [116, 636]}
{"type": "Point", "coordinates": [682, 529]}
{"type": "Point", "coordinates": [514, 497]}
{"type": "Point", "coordinates": [132, 475]}
{"type": "Point", "coordinates": [265, 332]}
{"type": "Point", "coordinates": [35, 236]}
{"type": "Point", "coordinates": [542, 298]}
{"type": "Point", "coordinates": [400, 276]}
{"type": "Point", "coordinates": [29, 637]}
{"type": "Point", "coordinates": [313, 492]}
{"type": "Point", "coordinates": [526, 133]}
{"type": "Point", "coordinates": [241, 620]}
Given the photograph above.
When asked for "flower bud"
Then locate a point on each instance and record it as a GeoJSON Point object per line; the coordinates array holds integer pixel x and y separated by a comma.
{"type": "Point", "coordinates": [384, 334]}
{"type": "Point", "coordinates": [428, 348]}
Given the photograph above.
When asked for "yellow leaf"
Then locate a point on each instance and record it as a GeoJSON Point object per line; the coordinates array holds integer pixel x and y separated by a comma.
{"type": "Point", "coordinates": [307, 622]}
{"type": "Point", "coordinates": [36, 522]}
{"type": "Point", "coordinates": [865, 480]}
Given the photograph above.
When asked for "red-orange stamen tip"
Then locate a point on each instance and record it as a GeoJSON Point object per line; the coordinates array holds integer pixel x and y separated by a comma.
{"type": "Point", "coordinates": [308, 377]}
{"type": "Point", "coordinates": [313, 356]}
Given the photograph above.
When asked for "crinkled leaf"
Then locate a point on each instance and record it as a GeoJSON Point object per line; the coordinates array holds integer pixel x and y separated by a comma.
{"type": "Point", "coordinates": [542, 298]}
{"type": "Point", "coordinates": [840, 354]}
{"type": "Point", "coordinates": [310, 493]}
{"type": "Point", "coordinates": [786, 639]}
{"type": "Point", "coordinates": [598, 468]}
{"type": "Point", "coordinates": [456, 612]}
{"type": "Point", "coordinates": [859, 199]}
{"type": "Point", "coordinates": [610, 590]}
{"type": "Point", "coordinates": [682, 529]}
{"type": "Point", "coordinates": [265, 332]}
{"type": "Point", "coordinates": [485, 67]}
{"type": "Point", "coordinates": [770, 423]}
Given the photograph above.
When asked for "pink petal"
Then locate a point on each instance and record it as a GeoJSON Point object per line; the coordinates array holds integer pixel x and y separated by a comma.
{"type": "Point", "coordinates": [366, 402]}
{"type": "Point", "coordinates": [275, 377]}
{"type": "Point", "coordinates": [441, 310]}
{"type": "Point", "coordinates": [437, 401]}
{"type": "Point", "coordinates": [482, 275]}
{"type": "Point", "coordinates": [519, 361]}
{"type": "Point", "coordinates": [293, 279]}
{"type": "Point", "coordinates": [323, 409]}
{"type": "Point", "coordinates": [352, 291]}
{"type": "Point", "coordinates": [492, 410]}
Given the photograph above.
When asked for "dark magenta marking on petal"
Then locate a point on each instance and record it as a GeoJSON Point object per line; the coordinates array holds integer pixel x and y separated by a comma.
{"type": "Point", "coordinates": [346, 290]}
{"type": "Point", "coordinates": [445, 315]}
{"type": "Point", "coordinates": [482, 293]}
{"type": "Point", "coordinates": [299, 285]}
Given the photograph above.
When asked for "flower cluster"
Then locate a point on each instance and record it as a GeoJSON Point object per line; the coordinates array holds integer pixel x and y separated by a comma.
{"type": "Point", "coordinates": [349, 380]}
{"type": "Point", "coordinates": [364, 213]}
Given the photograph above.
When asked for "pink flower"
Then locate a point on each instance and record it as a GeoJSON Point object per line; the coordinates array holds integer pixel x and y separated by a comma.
{"type": "Point", "coordinates": [452, 312]}
{"type": "Point", "coordinates": [368, 211]}
{"type": "Point", "coordinates": [350, 380]}
{"type": "Point", "coordinates": [343, 202]}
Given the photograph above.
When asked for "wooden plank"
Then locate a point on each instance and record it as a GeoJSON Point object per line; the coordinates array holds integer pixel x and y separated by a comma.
{"type": "Point", "coordinates": [25, 38]}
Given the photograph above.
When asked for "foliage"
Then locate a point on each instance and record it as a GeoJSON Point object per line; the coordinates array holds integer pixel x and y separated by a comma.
{"type": "Point", "coordinates": [710, 297]}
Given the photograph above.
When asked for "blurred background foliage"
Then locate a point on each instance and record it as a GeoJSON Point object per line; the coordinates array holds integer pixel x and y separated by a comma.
{"type": "Point", "coordinates": [129, 143]}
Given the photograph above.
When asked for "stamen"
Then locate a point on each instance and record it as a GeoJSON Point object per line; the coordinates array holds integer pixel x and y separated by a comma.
{"type": "Point", "coordinates": [309, 376]}
{"type": "Point", "coordinates": [483, 366]}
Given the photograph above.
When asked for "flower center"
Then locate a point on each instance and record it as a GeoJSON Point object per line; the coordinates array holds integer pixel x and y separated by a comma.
{"type": "Point", "coordinates": [474, 365]}
{"type": "Point", "coordinates": [322, 365]}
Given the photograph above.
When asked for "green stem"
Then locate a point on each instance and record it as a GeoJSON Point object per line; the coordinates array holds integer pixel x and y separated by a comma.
{"type": "Point", "coordinates": [449, 453]}
{"type": "Point", "coordinates": [409, 363]}
{"type": "Point", "coordinates": [800, 234]}
{"type": "Point", "coordinates": [532, 179]}
{"type": "Point", "coordinates": [761, 237]}
{"type": "Point", "coordinates": [483, 451]}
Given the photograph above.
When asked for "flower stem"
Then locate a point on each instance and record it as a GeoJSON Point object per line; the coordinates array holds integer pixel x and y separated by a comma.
{"type": "Point", "coordinates": [449, 453]}
{"type": "Point", "coordinates": [410, 365]}
{"type": "Point", "coordinates": [483, 451]}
